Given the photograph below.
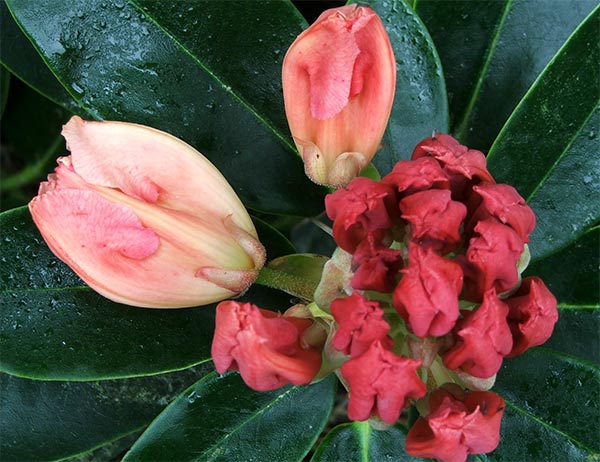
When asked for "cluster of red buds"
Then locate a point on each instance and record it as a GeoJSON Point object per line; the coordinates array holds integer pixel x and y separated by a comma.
{"type": "Point", "coordinates": [419, 305]}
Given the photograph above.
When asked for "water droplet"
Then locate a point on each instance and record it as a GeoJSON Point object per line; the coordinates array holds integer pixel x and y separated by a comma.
{"type": "Point", "coordinates": [77, 88]}
{"type": "Point", "coordinates": [587, 179]}
{"type": "Point", "coordinates": [192, 397]}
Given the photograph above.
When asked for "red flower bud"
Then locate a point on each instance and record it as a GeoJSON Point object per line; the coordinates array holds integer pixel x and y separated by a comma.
{"type": "Point", "coordinates": [532, 315]}
{"type": "Point", "coordinates": [503, 202]}
{"type": "Point", "coordinates": [410, 176]}
{"type": "Point", "coordinates": [427, 295]}
{"type": "Point", "coordinates": [457, 426]}
{"type": "Point", "coordinates": [491, 259]}
{"type": "Point", "coordinates": [263, 346]}
{"type": "Point", "coordinates": [377, 267]}
{"type": "Point", "coordinates": [364, 207]}
{"type": "Point", "coordinates": [360, 324]}
{"type": "Point", "coordinates": [435, 219]}
{"type": "Point", "coordinates": [339, 78]}
{"type": "Point", "coordinates": [484, 339]}
{"type": "Point", "coordinates": [456, 158]}
{"type": "Point", "coordinates": [381, 382]}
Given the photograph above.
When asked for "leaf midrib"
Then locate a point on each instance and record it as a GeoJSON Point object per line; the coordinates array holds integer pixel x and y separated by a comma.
{"type": "Point", "coordinates": [224, 85]}
{"type": "Point", "coordinates": [462, 125]}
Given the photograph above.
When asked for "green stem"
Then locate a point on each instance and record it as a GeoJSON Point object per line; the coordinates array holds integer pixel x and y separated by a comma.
{"type": "Point", "coordinates": [285, 282]}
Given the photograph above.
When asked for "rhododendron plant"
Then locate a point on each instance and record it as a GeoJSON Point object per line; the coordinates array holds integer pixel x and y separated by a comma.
{"type": "Point", "coordinates": [387, 250]}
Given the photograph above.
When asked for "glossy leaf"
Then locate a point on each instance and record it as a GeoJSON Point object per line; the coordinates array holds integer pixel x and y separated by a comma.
{"type": "Point", "coordinates": [546, 149]}
{"type": "Point", "coordinates": [221, 419]}
{"type": "Point", "coordinates": [524, 439]}
{"type": "Point", "coordinates": [420, 104]}
{"type": "Point", "coordinates": [572, 273]}
{"type": "Point", "coordinates": [119, 63]}
{"type": "Point", "coordinates": [52, 326]}
{"type": "Point", "coordinates": [19, 56]}
{"type": "Point", "coordinates": [510, 42]}
{"type": "Point", "coordinates": [576, 334]}
{"type": "Point", "coordinates": [41, 421]}
{"type": "Point", "coordinates": [559, 393]}
{"type": "Point", "coordinates": [358, 441]}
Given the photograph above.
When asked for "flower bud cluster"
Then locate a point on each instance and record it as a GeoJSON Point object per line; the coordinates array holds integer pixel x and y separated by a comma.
{"type": "Point", "coordinates": [436, 300]}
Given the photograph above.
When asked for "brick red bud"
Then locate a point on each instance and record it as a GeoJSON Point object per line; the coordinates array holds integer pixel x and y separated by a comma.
{"type": "Point", "coordinates": [146, 220]}
{"type": "Point", "coordinates": [339, 78]}
{"type": "Point", "coordinates": [362, 208]}
{"type": "Point", "coordinates": [503, 202]}
{"type": "Point", "coordinates": [491, 259]}
{"type": "Point", "coordinates": [454, 157]}
{"type": "Point", "coordinates": [458, 424]}
{"type": "Point", "coordinates": [427, 295]}
{"type": "Point", "coordinates": [435, 219]}
{"type": "Point", "coordinates": [483, 339]}
{"type": "Point", "coordinates": [532, 315]}
{"type": "Point", "coordinates": [410, 176]}
{"type": "Point", "coordinates": [360, 323]}
{"type": "Point", "coordinates": [381, 383]}
{"type": "Point", "coordinates": [376, 267]}
{"type": "Point", "coordinates": [263, 345]}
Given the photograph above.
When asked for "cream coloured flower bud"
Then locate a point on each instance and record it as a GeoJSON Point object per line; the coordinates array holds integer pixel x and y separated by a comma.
{"type": "Point", "coordinates": [146, 220]}
{"type": "Point", "coordinates": [339, 78]}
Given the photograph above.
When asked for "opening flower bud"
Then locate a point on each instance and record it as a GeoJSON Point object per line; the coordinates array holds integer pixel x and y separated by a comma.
{"type": "Point", "coordinates": [146, 220]}
{"type": "Point", "coordinates": [339, 78]}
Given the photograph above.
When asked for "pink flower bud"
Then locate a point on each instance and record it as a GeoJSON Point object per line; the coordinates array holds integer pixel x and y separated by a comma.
{"type": "Point", "coordinates": [339, 78]}
{"type": "Point", "coordinates": [364, 207]}
{"type": "Point", "coordinates": [459, 423]}
{"type": "Point", "coordinates": [427, 295]}
{"type": "Point", "coordinates": [360, 323]}
{"type": "Point", "coordinates": [264, 346]}
{"type": "Point", "coordinates": [483, 339]}
{"type": "Point", "coordinates": [491, 259]}
{"type": "Point", "coordinates": [435, 219]}
{"type": "Point", "coordinates": [532, 315]}
{"type": "Point", "coordinates": [146, 220]}
{"type": "Point", "coordinates": [382, 383]}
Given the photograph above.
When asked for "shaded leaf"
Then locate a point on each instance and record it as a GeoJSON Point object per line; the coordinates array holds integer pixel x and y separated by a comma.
{"type": "Point", "coordinates": [41, 421]}
{"type": "Point", "coordinates": [420, 104]}
{"type": "Point", "coordinates": [576, 334]}
{"type": "Point", "coordinates": [548, 148]}
{"type": "Point", "coordinates": [572, 273]}
{"type": "Point", "coordinates": [120, 64]}
{"type": "Point", "coordinates": [221, 419]}
{"type": "Point", "coordinates": [358, 441]}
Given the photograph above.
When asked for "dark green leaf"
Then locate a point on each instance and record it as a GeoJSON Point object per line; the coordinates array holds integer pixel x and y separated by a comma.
{"type": "Point", "coordinates": [502, 48]}
{"type": "Point", "coordinates": [358, 441]}
{"type": "Point", "coordinates": [572, 273]}
{"type": "Point", "coordinates": [220, 419]}
{"type": "Point", "coordinates": [21, 58]}
{"type": "Point", "coordinates": [420, 104]}
{"type": "Point", "coordinates": [462, 31]}
{"type": "Point", "coordinates": [4, 87]}
{"type": "Point", "coordinates": [41, 421]}
{"type": "Point", "coordinates": [558, 392]}
{"type": "Point", "coordinates": [523, 439]}
{"type": "Point", "coordinates": [52, 326]}
{"type": "Point", "coordinates": [548, 148]}
{"type": "Point", "coordinates": [576, 334]}
{"type": "Point", "coordinates": [120, 64]}
{"type": "Point", "coordinates": [111, 451]}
